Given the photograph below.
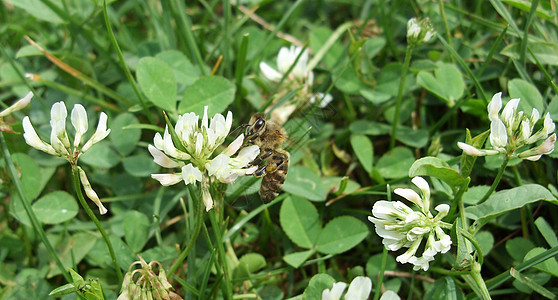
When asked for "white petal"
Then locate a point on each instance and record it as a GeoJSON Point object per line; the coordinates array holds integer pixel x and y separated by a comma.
{"type": "Point", "coordinates": [525, 130]}
{"type": "Point", "coordinates": [158, 141]}
{"type": "Point", "coordinates": [219, 167]}
{"type": "Point", "coordinates": [228, 122]}
{"type": "Point", "coordinates": [57, 144]}
{"type": "Point", "coordinates": [422, 185]}
{"type": "Point", "coordinates": [206, 197]}
{"type": "Point", "coordinates": [234, 146]}
{"type": "Point", "coordinates": [162, 159]}
{"type": "Point", "coordinates": [33, 140]}
{"type": "Point", "coordinates": [101, 132]}
{"type": "Point", "coordinates": [390, 295]}
{"type": "Point", "coordinates": [19, 104]}
{"type": "Point", "coordinates": [535, 115]}
{"type": "Point", "coordinates": [285, 59]}
{"type": "Point", "coordinates": [442, 208]}
{"type": "Point", "coordinates": [335, 292]}
{"type": "Point", "coordinates": [199, 144]}
{"type": "Point", "coordinates": [269, 72]}
{"type": "Point", "coordinates": [494, 106]}
{"type": "Point", "coordinates": [245, 156]}
{"type": "Point", "coordinates": [299, 70]}
{"type": "Point", "coordinates": [470, 150]}
{"type": "Point", "coordinates": [508, 114]}
{"type": "Point", "coordinates": [167, 179]}
{"type": "Point", "coordinates": [79, 120]}
{"type": "Point", "coordinates": [359, 289]}
{"type": "Point", "coordinates": [58, 114]}
{"type": "Point", "coordinates": [498, 134]}
{"type": "Point", "coordinates": [90, 192]}
{"type": "Point", "coordinates": [204, 119]}
{"type": "Point", "coordinates": [191, 174]}
{"type": "Point", "coordinates": [409, 195]}
{"type": "Point", "coordinates": [549, 125]}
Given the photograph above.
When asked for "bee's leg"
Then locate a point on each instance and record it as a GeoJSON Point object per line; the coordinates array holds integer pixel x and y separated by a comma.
{"type": "Point", "coordinates": [267, 153]}
{"type": "Point", "coordinates": [261, 171]}
{"type": "Point", "coordinates": [277, 160]}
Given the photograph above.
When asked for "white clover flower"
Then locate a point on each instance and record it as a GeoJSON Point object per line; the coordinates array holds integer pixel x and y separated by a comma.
{"type": "Point", "coordinates": [402, 227]}
{"type": "Point", "coordinates": [18, 105]}
{"type": "Point", "coordinates": [390, 295]}
{"type": "Point", "coordinates": [359, 289]}
{"type": "Point", "coordinates": [419, 31]}
{"type": "Point", "coordinates": [198, 145]}
{"type": "Point", "coordinates": [285, 59]}
{"type": "Point", "coordinates": [300, 76]}
{"type": "Point", "coordinates": [60, 144]}
{"type": "Point", "coordinates": [512, 129]}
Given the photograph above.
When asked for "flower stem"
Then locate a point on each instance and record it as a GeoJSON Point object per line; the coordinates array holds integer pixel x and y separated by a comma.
{"type": "Point", "coordinates": [496, 180]}
{"type": "Point", "coordinates": [77, 186]}
{"type": "Point", "coordinates": [475, 243]}
{"type": "Point", "coordinates": [221, 251]}
{"type": "Point", "coordinates": [400, 94]}
{"type": "Point", "coordinates": [199, 221]}
{"type": "Point", "coordinates": [28, 210]}
{"type": "Point", "coordinates": [381, 275]}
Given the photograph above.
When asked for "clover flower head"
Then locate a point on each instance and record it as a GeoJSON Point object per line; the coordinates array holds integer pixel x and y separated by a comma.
{"type": "Point", "coordinates": [419, 31]}
{"type": "Point", "coordinates": [60, 144]}
{"type": "Point", "coordinates": [196, 156]}
{"type": "Point", "coordinates": [512, 129]}
{"type": "Point", "coordinates": [151, 282]}
{"type": "Point", "coordinates": [285, 59]}
{"type": "Point", "coordinates": [359, 289]}
{"type": "Point", "coordinates": [403, 227]}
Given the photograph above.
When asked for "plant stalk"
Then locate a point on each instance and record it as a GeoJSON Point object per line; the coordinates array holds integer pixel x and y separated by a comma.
{"type": "Point", "coordinates": [406, 64]}
{"type": "Point", "coordinates": [496, 180]}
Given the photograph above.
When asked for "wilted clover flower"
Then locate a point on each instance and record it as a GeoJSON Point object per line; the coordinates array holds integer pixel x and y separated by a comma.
{"type": "Point", "coordinates": [419, 31]}
{"type": "Point", "coordinates": [60, 144]}
{"type": "Point", "coordinates": [359, 289]}
{"type": "Point", "coordinates": [18, 105]}
{"type": "Point", "coordinates": [402, 227]}
{"type": "Point", "coordinates": [300, 77]}
{"type": "Point", "coordinates": [512, 129]}
{"type": "Point", "coordinates": [197, 160]}
{"type": "Point", "coordinates": [146, 283]}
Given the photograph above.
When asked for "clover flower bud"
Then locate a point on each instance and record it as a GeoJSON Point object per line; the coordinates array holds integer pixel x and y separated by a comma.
{"type": "Point", "coordinates": [18, 105]}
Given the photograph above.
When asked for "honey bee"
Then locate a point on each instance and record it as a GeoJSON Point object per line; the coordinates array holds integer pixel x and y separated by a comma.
{"type": "Point", "coordinates": [273, 162]}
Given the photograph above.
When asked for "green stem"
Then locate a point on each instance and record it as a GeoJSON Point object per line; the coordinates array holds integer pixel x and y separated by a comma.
{"type": "Point", "coordinates": [199, 221]}
{"type": "Point", "coordinates": [216, 225]}
{"type": "Point", "coordinates": [32, 217]}
{"type": "Point", "coordinates": [446, 26]}
{"type": "Point", "coordinates": [77, 186]}
{"type": "Point", "coordinates": [381, 275]}
{"type": "Point", "coordinates": [475, 243]}
{"type": "Point", "coordinates": [496, 180]}
{"type": "Point", "coordinates": [406, 63]}
{"type": "Point", "coordinates": [124, 66]}
{"type": "Point", "coordinates": [481, 290]}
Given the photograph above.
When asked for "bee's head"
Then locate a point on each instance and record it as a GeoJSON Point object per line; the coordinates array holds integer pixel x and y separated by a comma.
{"type": "Point", "coordinates": [256, 126]}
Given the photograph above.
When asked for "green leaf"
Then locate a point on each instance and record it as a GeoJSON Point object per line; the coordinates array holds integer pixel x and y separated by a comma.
{"type": "Point", "coordinates": [525, 6]}
{"type": "Point", "coordinates": [55, 208]}
{"type": "Point", "coordinates": [446, 83]}
{"type": "Point", "coordinates": [66, 289]}
{"type": "Point", "coordinates": [364, 150]}
{"type": "Point", "coordinates": [416, 138]}
{"type": "Point", "coordinates": [435, 167]}
{"type": "Point", "coordinates": [101, 155]}
{"type": "Point", "coordinates": [77, 279]}
{"type": "Point", "coordinates": [444, 288]}
{"type": "Point", "coordinates": [546, 52]}
{"type": "Point", "coordinates": [528, 93]}
{"type": "Point", "coordinates": [213, 91]}
{"type": "Point", "coordinates": [253, 262]}
{"type": "Point", "coordinates": [184, 71]}
{"type": "Point", "coordinates": [549, 266]}
{"type": "Point", "coordinates": [531, 284]}
{"type": "Point", "coordinates": [486, 241]}
{"type": "Point", "coordinates": [395, 163]}
{"type": "Point", "coordinates": [341, 234]}
{"type": "Point", "coordinates": [474, 194]}
{"type": "Point", "coordinates": [507, 200]}
{"type": "Point", "coordinates": [136, 229]}
{"type": "Point", "coordinates": [156, 80]}
{"type": "Point", "coordinates": [140, 165]}
{"type": "Point", "coordinates": [299, 220]}
{"type": "Point", "coordinates": [37, 9]}
{"type": "Point", "coordinates": [304, 182]}
{"type": "Point", "coordinates": [547, 232]}
{"type": "Point", "coordinates": [518, 247]}
{"type": "Point", "coordinates": [318, 283]}
{"type": "Point", "coordinates": [124, 139]}
{"type": "Point", "coordinates": [296, 259]}
{"type": "Point", "coordinates": [73, 249]}
{"type": "Point", "coordinates": [30, 175]}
